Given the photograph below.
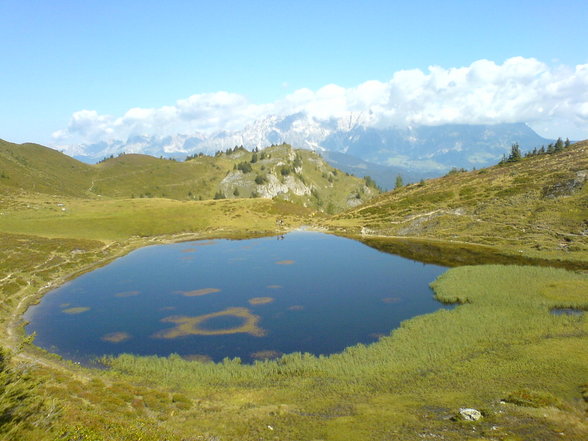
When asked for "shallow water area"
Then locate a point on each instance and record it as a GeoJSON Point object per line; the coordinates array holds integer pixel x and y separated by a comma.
{"type": "Point", "coordinates": [253, 299]}
{"type": "Point", "coordinates": [566, 311]}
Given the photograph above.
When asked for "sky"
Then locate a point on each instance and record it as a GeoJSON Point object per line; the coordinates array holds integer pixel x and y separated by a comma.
{"type": "Point", "coordinates": [80, 72]}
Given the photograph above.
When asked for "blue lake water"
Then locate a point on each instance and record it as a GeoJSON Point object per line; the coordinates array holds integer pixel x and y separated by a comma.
{"type": "Point", "coordinates": [253, 299]}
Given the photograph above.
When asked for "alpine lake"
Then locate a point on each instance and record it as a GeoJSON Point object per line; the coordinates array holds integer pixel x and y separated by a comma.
{"type": "Point", "coordinates": [253, 299]}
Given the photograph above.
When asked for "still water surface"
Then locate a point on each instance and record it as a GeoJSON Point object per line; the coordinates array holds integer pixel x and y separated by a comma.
{"type": "Point", "coordinates": [253, 299]}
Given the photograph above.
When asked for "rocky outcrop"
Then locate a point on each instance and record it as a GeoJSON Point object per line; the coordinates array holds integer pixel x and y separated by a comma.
{"type": "Point", "coordinates": [274, 187]}
{"type": "Point", "coordinates": [567, 187]}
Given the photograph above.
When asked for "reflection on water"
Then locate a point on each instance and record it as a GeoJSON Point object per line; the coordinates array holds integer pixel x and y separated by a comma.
{"type": "Point", "coordinates": [254, 299]}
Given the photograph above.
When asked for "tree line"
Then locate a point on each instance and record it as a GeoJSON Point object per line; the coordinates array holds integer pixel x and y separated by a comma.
{"type": "Point", "coordinates": [516, 154]}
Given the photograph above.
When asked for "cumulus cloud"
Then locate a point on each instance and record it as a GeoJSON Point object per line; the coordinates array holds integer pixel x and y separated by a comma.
{"type": "Point", "coordinates": [518, 90]}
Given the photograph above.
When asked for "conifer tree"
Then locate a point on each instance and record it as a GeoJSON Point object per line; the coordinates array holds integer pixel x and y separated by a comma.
{"type": "Point", "coordinates": [515, 153]}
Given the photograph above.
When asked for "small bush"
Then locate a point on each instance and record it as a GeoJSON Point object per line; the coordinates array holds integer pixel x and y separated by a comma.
{"type": "Point", "coordinates": [245, 167]}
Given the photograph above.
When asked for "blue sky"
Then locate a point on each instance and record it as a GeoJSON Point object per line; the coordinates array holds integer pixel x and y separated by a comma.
{"type": "Point", "coordinates": [61, 57]}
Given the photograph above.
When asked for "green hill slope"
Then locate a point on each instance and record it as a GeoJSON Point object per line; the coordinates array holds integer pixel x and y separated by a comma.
{"type": "Point", "coordinates": [34, 168]}
{"type": "Point", "coordinates": [538, 206]}
{"type": "Point", "coordinates": [135, 175]}
{"type": "Point", "coordinates": [279, 172]}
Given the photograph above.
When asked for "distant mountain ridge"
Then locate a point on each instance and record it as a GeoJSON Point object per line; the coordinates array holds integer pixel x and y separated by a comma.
{"type": "Point", "coordinates": [419, 150]}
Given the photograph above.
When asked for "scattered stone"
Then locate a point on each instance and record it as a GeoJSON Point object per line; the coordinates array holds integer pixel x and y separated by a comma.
{"type": "Point", "coordinates": [468, 414]}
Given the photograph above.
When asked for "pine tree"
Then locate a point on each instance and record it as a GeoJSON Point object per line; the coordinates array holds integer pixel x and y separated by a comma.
{"type": "Point", "coordinates": [399, 182]}
{"type": "Point", "coordinates": [515, 153]}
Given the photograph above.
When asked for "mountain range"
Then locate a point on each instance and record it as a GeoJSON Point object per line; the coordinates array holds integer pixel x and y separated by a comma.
{"type": "Point", "coordinates": [348, 143]}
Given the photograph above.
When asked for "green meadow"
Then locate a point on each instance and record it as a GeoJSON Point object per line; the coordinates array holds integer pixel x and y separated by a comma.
{"type": "Point", "coordinates": [500, 349]}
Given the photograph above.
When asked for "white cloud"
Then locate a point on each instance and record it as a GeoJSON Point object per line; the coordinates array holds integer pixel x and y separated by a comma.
{"type": "Point", "coordinates": [519, 90]}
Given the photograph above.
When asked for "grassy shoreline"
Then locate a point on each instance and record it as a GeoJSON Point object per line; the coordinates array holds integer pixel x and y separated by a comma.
{"type": "Point", "coordinates": [297, 392]}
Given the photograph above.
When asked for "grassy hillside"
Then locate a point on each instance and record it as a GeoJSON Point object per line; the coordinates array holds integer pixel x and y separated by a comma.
{"type": "Point", "coordinates": [34, 168]}
{"type": "Point", "coordinates": [537, 206]}
{"type": "Point", "coordinates": [279, 172]}
{"type": "Point", "coordinates": [143, 176]}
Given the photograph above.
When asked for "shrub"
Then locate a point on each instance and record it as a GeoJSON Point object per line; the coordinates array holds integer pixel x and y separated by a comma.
{"type": "Point", "coordinates": [245, 167]}
{"type": "Point", "coordinates": [22, 408]}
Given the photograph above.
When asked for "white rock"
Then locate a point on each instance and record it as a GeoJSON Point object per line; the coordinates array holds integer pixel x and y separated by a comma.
{"type": "Point", "coordinates": [468, 414]}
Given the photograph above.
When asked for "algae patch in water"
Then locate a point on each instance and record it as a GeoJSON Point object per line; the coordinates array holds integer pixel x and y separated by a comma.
{"type": "Point", "coordinates": [198, 292]}
{"type": "Point", "coordinates": [127, 294]}
{"type": "Point", "coordinates": [265, 355]}
{"type": "Point", "coordinates": [193, 325]}
{"type": "Point", "coordinates": [116, 337]}
{"type": "Point", "coordinates": [260, 300]}
{"type": "Point", "coordinates": [76, 310]}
